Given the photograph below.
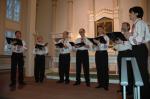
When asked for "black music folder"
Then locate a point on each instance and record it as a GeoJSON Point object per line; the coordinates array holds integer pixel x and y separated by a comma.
{"type": "Point", "coordinates": [40, 47]}
{"type": "Point", "coordinates": [100, 39]}
{"type": "Point", "coordinates": [114, 36]}
{"type": "Point", "coordinates": [72, 43]}
{"type": "Point", "coordinates": [77, 44]}
{"type": "Point", "coordinates": [59, 45]}
{"type": "Point", "coordinates": [80, 44]}
{"type": "Point", "coordinates": [14, 41]}
{"type": "Point", "coordinates": [92, 40]}
{"type": "Point", "coordinates": [9, 40]}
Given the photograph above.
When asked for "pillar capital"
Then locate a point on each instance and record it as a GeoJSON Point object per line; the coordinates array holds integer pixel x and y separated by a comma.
{"type": "Point", "coordinates": [54, 3]}
{"type": "Point", "coordinates": [70, 1]}
{"type": "Point", "coordinates": [70, 15]}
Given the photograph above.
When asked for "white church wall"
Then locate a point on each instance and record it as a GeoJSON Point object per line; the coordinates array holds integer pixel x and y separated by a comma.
{"type": "Point", "coordinates": [61, 16]}
{"type": "Point", "coordinates": [80, 16]}
{"type": "Point", "coordinates": [124, 6]}
{"type": "Point", "coordinates": [43, 18]}
{"type": "Point", "coordinates": [103, 4]}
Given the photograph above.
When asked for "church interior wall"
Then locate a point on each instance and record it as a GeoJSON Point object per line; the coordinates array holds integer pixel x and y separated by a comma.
{"type": "Point", "coordinates": [80, 16]}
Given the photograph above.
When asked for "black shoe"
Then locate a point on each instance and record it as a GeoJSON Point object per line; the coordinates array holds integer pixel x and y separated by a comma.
{"type": "Point", "coordinates": [76, 83]}
{"type": "Point", "coordinates": [88, 85]}
{"type": "Point", "coordinates": [12, 85]}
{"type": "Point", "coordinates": [106, 88]}
{"type": "Point", "coordinates": [36, 81]}
{"type": "Point", "coordinates": [99, 86]}
{"type": "Point", "coordinates": [67, 81]}
{"type": "Point", "coordinates": [60, 81]}
{"type": "Point", "coordinates": [13, 88]}
{"type": "Point", "coordinates": [129, 93]}
{"type": "Point", "coordinates": [119, 91]}
{"type": "Point", "coordinates": [41, 81]}
{"type": "Point", "coordinates": [21, 85]}
{"type": "Point", "coordinates": [130, 96]}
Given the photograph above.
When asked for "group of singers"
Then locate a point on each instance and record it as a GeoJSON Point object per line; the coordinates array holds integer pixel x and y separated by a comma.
{"type": "Point", "coordinates": [135, 46]}
{"type": "Point", "coordinates": [17, 60]}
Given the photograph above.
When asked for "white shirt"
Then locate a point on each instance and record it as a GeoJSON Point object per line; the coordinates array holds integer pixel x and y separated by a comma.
{"type": "Point", "coordinates": [65, 50]}
{"type": "Point", "coordinates": [43, 51]}
{"type": "Point", "coordinates": [141, 33]}
{"type": "Point", "coordinates": [102, 46]}
{"type": "Point", "coordinates": [126, 45]}
{"type": "Point", "coordinates": [18, 48]}
{"type": "Point", "coordinates": [86, 41]}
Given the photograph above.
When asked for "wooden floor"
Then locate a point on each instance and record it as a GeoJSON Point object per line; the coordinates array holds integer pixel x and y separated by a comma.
{"type": "Point", "coordinates": [51, 90]}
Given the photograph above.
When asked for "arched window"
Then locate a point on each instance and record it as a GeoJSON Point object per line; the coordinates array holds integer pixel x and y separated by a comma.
{"type": "Point", "coordinates": [8, 47]}
{"type": "Point", "coordinates": [13, 10]}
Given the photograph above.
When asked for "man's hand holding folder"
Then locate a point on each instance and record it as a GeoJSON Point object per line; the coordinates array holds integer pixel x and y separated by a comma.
{"type": "Point", "coordinates": [40, 47]}
{"type": "Point", "coordinates": [115, 36]}
{"type": "Point", "coordinates": [14, 41]}
{"type": "Point", "coordinates": [59, 45]}
{"type": "Point", "coordinates": [77, 44]}
{"type": "Point", "coordinates": [97, 40]}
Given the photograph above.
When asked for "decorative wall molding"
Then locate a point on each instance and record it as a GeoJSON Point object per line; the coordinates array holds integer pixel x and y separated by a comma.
{"type": "Point", "coordinates": [104, 13]}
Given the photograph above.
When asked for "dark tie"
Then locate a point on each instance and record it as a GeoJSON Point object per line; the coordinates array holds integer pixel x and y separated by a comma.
{"type": "Point", "coordinates": [82, 39]}
{"type": "Point", "coordinates": [132, 30]}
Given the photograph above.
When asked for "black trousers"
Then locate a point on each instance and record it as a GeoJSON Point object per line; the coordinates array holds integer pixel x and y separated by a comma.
{"type": "Point", "coordinates": [121, 54]}
{"type": "Point", "coordinates": [39, 68]}
{"type": "Point", "coordinates": [141, 54]}
{"type": "Point", "coordinates": [82, 58]}
{"type": "Point", "coordinates": [101, 59]}
{"type": "Point", "coordinates": [17, 60]}
{"type": "Point", "coordinates": [64, 66]}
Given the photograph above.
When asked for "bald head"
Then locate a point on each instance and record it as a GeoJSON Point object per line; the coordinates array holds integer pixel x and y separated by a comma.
{"type": "Point", "coordinates": [39, 38]}
{"type": "Point", "coordinates": [65, 34]}
{"type": "Point", "coordinates": [82, 32]}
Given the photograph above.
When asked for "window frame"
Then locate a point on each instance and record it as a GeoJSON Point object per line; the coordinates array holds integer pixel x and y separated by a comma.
{"type": "Point", "coordinates": [12, 8]}
{"type": "Point", "coordinates": [6, 50]}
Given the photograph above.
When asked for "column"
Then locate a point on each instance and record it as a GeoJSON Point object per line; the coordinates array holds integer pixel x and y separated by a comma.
{"type": "Point", "coordinates": [148, 13]}
{"type": "Point", "coordinates": [31, 17]}
{"type": "Point", "coordinates": [2, 24]}
{"type": "Point", "coordinates": [70, 15]}
{"type": "Point", "coordinates": [116, 15]}
{"type": "Point", "coordinates": [54, 5]}
{"type": "Point", "coordinates": [53, 31]}
{"type": "Point", "coordinates": [91, 32]}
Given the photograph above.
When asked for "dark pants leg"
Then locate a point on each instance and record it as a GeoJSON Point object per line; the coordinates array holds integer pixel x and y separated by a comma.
{"type": "Point", "coordinates": [130, 78]}
{"type": "Point", "coordinates": [78, 66]}
{"type": "Point", "coordinates": [82, 57]}
{"type": "Point", "coordinates": [101, 58]}
{"type": "Point", "coordinates": [39, 69]}
{"type": "Point", "coordinates": [86, 66]}
{"type": "Point", "coordinates": [20, 68]}
{"type": "Point", "coordinates": [42, 68]}
{"type": "Point", "coordinates": [36, 68]}
{"type": "Point", "coordinates": [60, 68]}
{"type": "Point", "coordinates": [66, 66]}
{"type": "Point", "coordinates": [13, 68]}
{"type": "Point", "coordinates": [141, 54]}
{"type": "Point", "coordinates": [17, 59]}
